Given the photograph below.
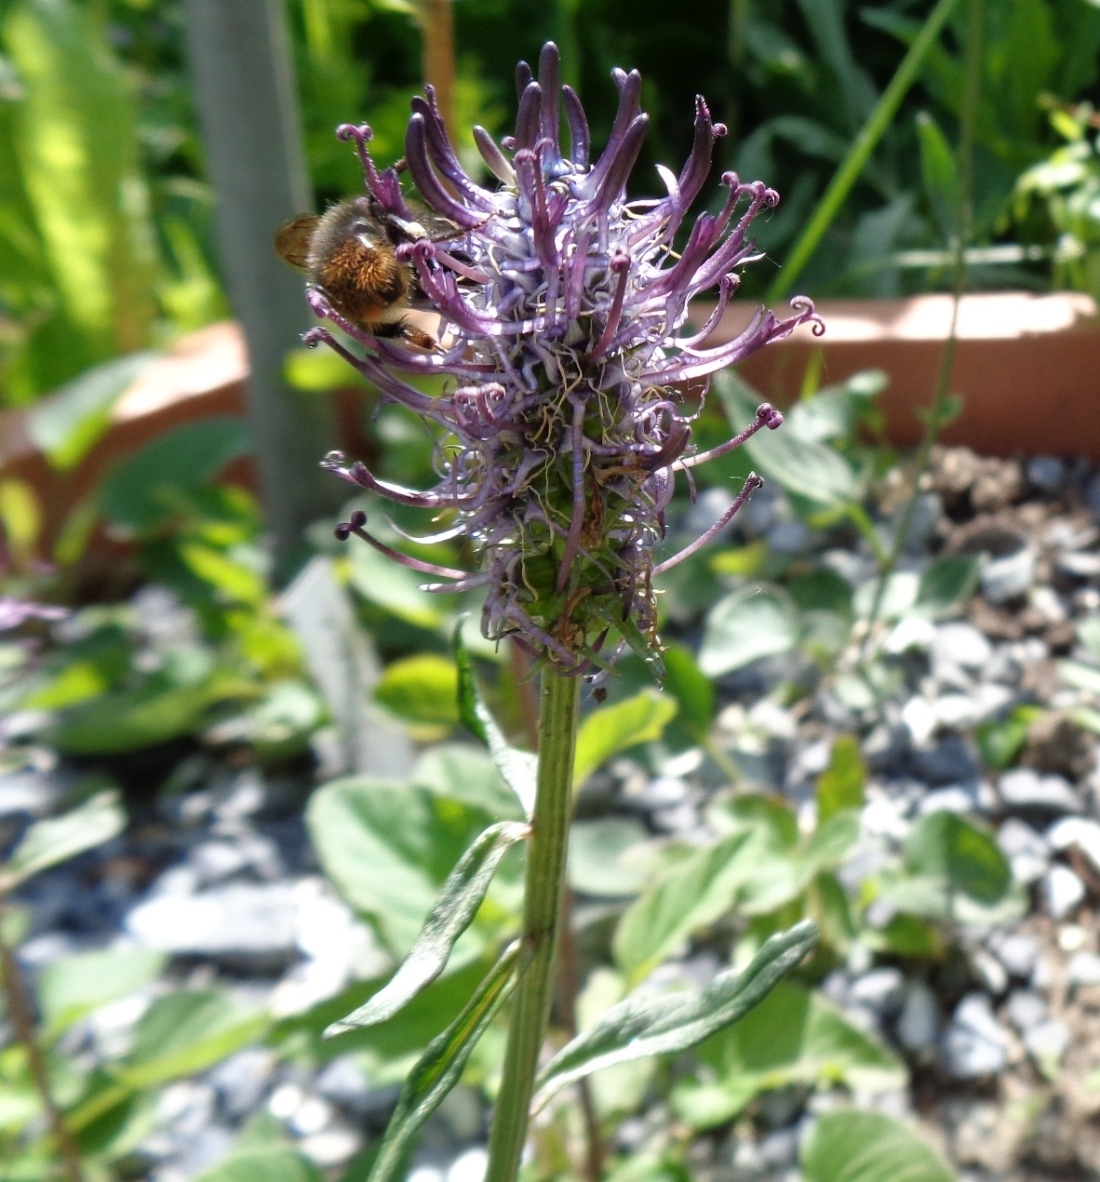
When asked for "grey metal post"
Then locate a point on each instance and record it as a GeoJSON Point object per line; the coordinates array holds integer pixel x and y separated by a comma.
{"type": "Point", "coordinates": [247, 104]}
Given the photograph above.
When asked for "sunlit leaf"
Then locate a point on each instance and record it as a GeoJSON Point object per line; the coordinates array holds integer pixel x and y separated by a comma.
{"type": "Point", "coordinates": [746, 625]}
{"type": "Point", "coordinates": [850, 1146]}
{"type": "Point", "coordinates": [639, 1028]}
{"type": "Point", "coordinates": [441, 1066]}
{"type": "Point", "coordinates": [459, 899]}
{"type": "Point", "coordinates": [54, 840]}
{"type": "Point", "coordinates": [840, 785]}
{"type": "Point", "coordinates": [389, 847]}
{"type": "Point", "coordinates": [72, 986]}
{"type": "Point", "coordinates": [611, 729]}
{"type": "Point", "coordinates": [421, 689]}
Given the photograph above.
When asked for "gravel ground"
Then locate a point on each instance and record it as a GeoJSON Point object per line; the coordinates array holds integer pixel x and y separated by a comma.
{"type": "Point", "coordinates": [1003, 1039]}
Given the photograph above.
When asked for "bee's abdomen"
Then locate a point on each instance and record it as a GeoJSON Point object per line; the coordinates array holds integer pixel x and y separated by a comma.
{"type": "Point", "coordinates": [366, 282]}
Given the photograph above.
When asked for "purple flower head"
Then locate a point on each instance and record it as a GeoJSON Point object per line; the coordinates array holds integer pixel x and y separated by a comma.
{"type": "Point", "coordinates": [561, 304]}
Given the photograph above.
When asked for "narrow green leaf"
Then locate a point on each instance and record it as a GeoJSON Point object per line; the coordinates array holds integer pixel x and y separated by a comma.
{"type": "Point", "coordinates": [54, 840]}
{"type": "Point", "coordinates": [518, 769]}
{"type": "Point", "coordinates": [939, 174]}
{"type": "Point", "coordinates": [458, 901]}
{"type": "Point", "coordinates": [612, 729]}
{"type": "Point", "coordinates": [840, 786]}
{"type": "Point", "coordinates": [851, 1146]}
{"type": "Point", "coordinates": [637, 1029]}
{"type": "Point", "coordinates": [441, 1066]}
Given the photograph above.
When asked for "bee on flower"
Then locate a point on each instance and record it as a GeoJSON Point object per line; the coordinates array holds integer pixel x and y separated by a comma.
{"type": "Point", "coordinates": [561, 306]}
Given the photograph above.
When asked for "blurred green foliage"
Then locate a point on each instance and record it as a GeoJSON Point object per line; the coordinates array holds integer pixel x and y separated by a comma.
{"type": "Point", "coordinates": [105, 216]}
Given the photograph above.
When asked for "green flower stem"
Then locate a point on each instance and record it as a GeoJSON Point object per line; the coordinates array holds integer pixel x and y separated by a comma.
{"type": "Point", "coordinates": [542, 913]}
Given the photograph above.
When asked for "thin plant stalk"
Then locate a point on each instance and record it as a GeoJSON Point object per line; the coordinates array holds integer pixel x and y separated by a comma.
{"type": "Point", "coordinates": [963, 217]}
{"type": "Point", "coordinates": [542, 917]}
{"type": "Point", "coordinates": [21, 1014]}
{"type": "Point", "coordinates": [437, 29]}
{"type": "Point", "coordinates": [859, 153]}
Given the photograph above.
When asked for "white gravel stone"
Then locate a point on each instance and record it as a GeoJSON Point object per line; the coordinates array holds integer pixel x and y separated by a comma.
{"type": "Point", "coordinates": [919, 1024]}
{"type": "Point", "coordinates": [1081, 832]}
{"type": "Point", "coordinates": [881, 990]}
{"type": "Point", "coordinates": [1026, 1009]}
{"type": "Point", "coordinates": [974, 1043]}
{"type": "Point", "coordinates": [990, 972]}
{"type": "Point", "coordinates": [469, 1166]}
{"type": "Point", "coordinates": [333, 1147]}
{"type": "Point", "coordinates": [919, 719]}
{"type": "Point", "coordinates": [1062, 891]}
{"type": "Point", "coordinates": [960, 644]}
{"type": "Point", "coordinates": [1019, 953]}
{"type": "Point", "coordinates": [1024, 788]}
{"type": "Point", "coordinates": [1083, 969]}
{"type": "Point", "coordinates": [1047, 1042]}
{"type": "Point", "coordinates": [1007, 577]}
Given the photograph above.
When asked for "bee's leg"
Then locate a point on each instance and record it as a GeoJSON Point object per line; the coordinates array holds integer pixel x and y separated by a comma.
{"type": "Point", "coordinates": [403, 331]}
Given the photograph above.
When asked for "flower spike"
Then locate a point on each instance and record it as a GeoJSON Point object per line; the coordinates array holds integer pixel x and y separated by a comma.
{"type": "Point", "coordinates": [563, 306]}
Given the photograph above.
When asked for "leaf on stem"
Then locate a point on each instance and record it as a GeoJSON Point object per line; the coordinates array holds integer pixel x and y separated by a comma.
{"type": "Point", "coordinates": [518, 768]}
{"type": "Point", "coordinates": [636, 1029]}
{"type": "Point", "coordinates": [456, 906]}
{"type": "Point", "coordinates": [441, 1066]}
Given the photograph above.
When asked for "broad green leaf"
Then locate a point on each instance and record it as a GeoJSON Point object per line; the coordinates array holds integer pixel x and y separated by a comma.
{"type": "Point", "coordinates": [801, 465]}
{"type": "Point", "coordinates": [48, 842]}
{"type": "Point", "coordinates": [186, 1032]}
{"type": "Point", "coordinates": [611, 729]}
{"type": "Point", "coordinates": [692, 689]}
{"type": "Point", "coordinates": [66, 425]}
{"type": "Point", "coordinates": [849, 1146]}
{"type": "Point", "coordinates": [596, 863]}
{"type": "Point", "coordinates": [518, 769]}
{"type": "Point", "coordinates": [389, 847]}
{"type": "Point", "coordinates": [746, 625]}
{"type": "Point", "coordinates": [72, 986]}
{"type": "Point", "coordinates": [946, 846]}
{"type": "Point", "coordinates": [441, 1066]}
{"type": "Point", "coordinates": [1001, 740]}
{"type": "Point", "coordinates": [793, 1036]}
{"type": "Point", "coordinates": [277, 1164]}
{"type": "Point", "coordinates": [142, 716]}
{"type": "Point", "coordinates": [421, 689]}
{"type": "Point", "coordinates": [148, 489]}
{"type": "Point", "coordinates": [898, 597]}
{"type": "Point", "coordinates": [20, 520]}
{"type": "Point", "coordinates": [694, 893]}
{"type": "Point", "coordinates": [840, 785]}
{"type": "Point", "coordinates": [953, 870]}
{"type": "Point", "coordinates": [639, 1028]}
{"type": "Point", "coordinates": [946, 584]}
{"type": "Point", "coordinates": [459, 899]}
{"type": "Point", "coordinates": [468, 774]}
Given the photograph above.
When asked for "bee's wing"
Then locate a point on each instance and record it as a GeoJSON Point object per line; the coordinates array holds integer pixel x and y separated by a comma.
{"type": "Point", "coordinates": [292, 239]}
